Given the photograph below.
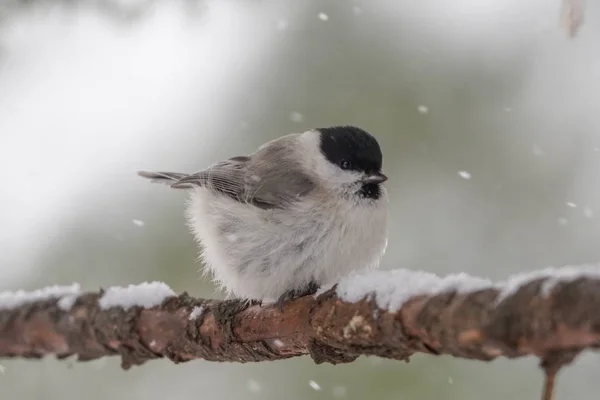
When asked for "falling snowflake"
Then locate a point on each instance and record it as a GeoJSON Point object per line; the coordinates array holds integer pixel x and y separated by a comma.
{"type": "Point", "coordinates": [423, 109]}
{"type": "Point", "coordinates": [282, 24]}
{"type": "Point", "coordinates": [588, 212]}
{"type": "Point", "coordinates": [571, 204]}
{"type": "Point", "coordinates": [253, 386]}
{"type": "Point", "coordinates": [138, 222]}
{"type": "Point", "coordinates": [464, 174]}
{"type": "Point", "coordinates": [314, 385]}
{"type": "Point", "coordinates": [296, 117]}
{"type": "Point", "coordinates": [339, 392]}
{"type": "Point", "coordinates": [537, 151]}
{"type": "Point", "coordinates": [562, 221]}
{"type": "Point", "coordinates": [323, 16]}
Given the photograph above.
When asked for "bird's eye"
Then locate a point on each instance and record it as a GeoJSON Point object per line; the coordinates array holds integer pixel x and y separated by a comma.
{"type": "Point", "coordinates": [345, 164]}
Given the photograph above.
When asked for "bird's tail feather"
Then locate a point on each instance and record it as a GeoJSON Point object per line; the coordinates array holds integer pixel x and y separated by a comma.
{"type": "Point", "coordinates": [165, 178]}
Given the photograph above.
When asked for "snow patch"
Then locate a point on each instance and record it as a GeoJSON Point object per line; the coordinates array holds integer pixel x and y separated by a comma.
{"type": "Point", "coordinates": [551, 277]}
{"type": "Point", "coordinates": [16, 299]}
{"type": "Point", "coordinates": [322, 289]}
{"type": "Point", "coordinates": [65, 303]}
{"type": "Point", "coordinates": [144, 295]}
{"type": "Point", "coordinates": [196, 312]}
{"type": "Point", "coordinates": [391, 289]}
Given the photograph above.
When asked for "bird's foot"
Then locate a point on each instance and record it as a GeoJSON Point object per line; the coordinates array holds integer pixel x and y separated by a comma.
{"type": "Point", "coordinates": [293, 294]}
{"type": "Point", "coordinates": [253, 302]}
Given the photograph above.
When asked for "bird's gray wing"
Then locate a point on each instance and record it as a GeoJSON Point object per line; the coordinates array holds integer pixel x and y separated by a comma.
{"type": "Point", "coordinates": [268, 181]}
{"type": "Point", "coordinates": [276, 184]}
{"type": "Point", "coordinates": [275, 177]}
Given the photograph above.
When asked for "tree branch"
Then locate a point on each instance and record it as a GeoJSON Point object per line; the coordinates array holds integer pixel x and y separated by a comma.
{"type": "Point", "coordinates": [572, 16]}
{"type": "Point", "coordinates": [550, 314]}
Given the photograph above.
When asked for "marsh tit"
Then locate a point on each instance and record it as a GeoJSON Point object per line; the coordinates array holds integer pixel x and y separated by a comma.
{"type": "Point", "coordinates": [303, 211]}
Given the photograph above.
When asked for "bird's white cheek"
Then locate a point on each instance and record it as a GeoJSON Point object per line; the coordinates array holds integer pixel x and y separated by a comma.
{"type": "Point", "coordinates": [343, 178]}
{"type": "Point", "coordinates": [329, 172]}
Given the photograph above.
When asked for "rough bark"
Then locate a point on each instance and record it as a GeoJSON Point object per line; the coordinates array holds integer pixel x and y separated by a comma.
{"type": "Point", "coordinates": [553, 327]}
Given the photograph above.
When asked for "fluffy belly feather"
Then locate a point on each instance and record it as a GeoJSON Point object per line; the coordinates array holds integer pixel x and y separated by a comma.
{"type": "Point", "coordinates": [261, 255]}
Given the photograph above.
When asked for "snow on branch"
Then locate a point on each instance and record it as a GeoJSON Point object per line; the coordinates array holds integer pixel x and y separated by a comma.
{"type": "Point", "coordinates": [551, 314]}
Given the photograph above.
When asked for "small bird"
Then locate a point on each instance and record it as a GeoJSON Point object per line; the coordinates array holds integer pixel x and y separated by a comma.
{"type": "Point", "coordinates": [301, 212]}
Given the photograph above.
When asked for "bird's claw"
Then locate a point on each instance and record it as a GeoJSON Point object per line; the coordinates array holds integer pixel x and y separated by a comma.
{"type": "Point", "coordinates": [256, 302]}
{"type": "Point", "coordinates": [293, 294]}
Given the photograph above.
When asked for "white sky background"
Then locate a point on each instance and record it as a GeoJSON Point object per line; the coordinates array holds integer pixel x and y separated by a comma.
{"type": "Point", "coordinates": [556, 125]}
{"type": "Point", "coordinates": [83, 99]}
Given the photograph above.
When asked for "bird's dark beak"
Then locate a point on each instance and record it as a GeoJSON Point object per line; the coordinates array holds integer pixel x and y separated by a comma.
{"type": "Point", "coordinates": [375, 178]}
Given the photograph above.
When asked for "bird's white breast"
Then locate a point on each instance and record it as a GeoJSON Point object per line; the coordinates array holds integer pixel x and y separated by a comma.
{"type": "Point", "coordinates": [260, 254]}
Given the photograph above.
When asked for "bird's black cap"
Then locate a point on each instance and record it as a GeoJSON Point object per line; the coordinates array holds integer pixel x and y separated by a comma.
{"type": "Point", "coordinates": [351, 147]}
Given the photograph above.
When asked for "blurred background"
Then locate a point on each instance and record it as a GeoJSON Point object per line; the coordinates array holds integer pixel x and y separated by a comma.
{"type": "Point", "coordinates": [488, 116]}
